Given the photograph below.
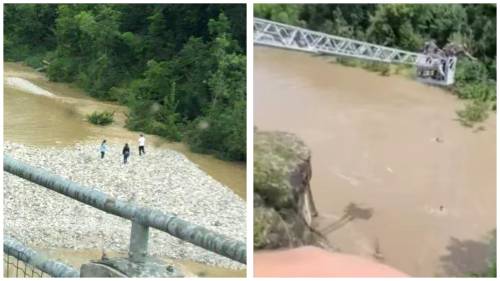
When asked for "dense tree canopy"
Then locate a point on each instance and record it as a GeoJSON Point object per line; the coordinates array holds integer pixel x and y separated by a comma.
{"type": "Point", "coordinates": [181, 69]}
{"type": "Point", "coordinates": [408, 26]}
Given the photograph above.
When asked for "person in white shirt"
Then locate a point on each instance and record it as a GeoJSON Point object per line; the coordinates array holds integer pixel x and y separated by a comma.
{"type": "Point", "coordinates": [103, 149]}
{"type": "Point", "coordinates": [142, 142]}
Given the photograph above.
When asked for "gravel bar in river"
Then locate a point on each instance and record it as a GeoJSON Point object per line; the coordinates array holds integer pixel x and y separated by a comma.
{"type": "Point", "coordinates": [162, 179]}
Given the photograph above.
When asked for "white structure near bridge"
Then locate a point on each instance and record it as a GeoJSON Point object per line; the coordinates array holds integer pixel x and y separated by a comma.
{"type": "Point", "coordinates": [431, 69]}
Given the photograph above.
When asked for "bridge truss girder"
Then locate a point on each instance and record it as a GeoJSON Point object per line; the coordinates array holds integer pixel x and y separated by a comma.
{"type": "Point", "coordinates": [291, 37]}
{"type": "Point", "coordinates": [430, 69]}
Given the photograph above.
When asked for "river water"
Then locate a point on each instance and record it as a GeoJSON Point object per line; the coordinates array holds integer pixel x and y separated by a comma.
{"type": "Point", "coordinates": [33, 118]}
{"type": "Point", "coordinates": [395, 176]}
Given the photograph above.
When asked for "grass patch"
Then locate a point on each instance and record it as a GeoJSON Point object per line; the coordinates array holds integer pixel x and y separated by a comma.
{"type": "Point", "coordinates": [101, 118]}
{"type": "Point", "coordinates": [350, 62]}
{"type": "Point", "coordinates": [383, 69]}
{"type": "Point", "coordinates": [474, 112]}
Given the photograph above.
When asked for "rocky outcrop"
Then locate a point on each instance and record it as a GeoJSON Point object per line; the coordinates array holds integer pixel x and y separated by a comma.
{"type": "Point", "coordinates": [283, 205]}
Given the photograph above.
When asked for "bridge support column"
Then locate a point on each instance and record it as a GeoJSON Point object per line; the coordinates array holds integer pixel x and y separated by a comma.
{"type": "Point", "coordinates": [138, 249]}
{"type": "Point", "coordinates": [138, 264]}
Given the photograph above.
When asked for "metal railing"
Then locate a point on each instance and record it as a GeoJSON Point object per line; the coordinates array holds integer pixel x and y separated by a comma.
{"type": "Point", "coordinates": [26, 262]}
{"type": "Point", "coordinates": [142, 218]}
{"type": "Point", "coordinates": [14, 267]}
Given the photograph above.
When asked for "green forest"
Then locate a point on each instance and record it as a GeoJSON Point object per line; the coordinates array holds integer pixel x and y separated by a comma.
{"type": "Point", "coordinates": [408, 27]}
{"type": "Point", "coordinates": [180, 69]}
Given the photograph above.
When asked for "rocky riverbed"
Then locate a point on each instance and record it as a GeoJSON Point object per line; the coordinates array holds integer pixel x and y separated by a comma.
{"type": "Point", "coordinates": [162, 179]}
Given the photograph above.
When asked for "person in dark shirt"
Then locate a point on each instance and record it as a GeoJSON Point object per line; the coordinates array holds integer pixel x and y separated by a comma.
{"type": "Point", "coordinates": [126, 153]}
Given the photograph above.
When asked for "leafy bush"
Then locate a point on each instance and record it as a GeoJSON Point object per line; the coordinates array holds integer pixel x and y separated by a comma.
{"type": "Point", "coordinates": [167, 130]}
{"type": "Point", "coordinates": [345, 61]}
{"type": "Point", "coordinates": [62, 70]}
{"type": "Point", "coordinates": [101, 118]}
{"type": "Point", "coordinates": [475, 111]}
{"type": "Point", "coordinates": [472, 82]}
{"type": "Point", "coordinates": [469, 71]}
{"type": "Point", "coordinates": [222, 132]}
{"type": "Point", "coordinates": [35, 61]}
{"type": "Point", "coordinates": [386, 71]}
{"type": "Point", "coordinates": [383, 68]}
{"type": "Point", "coordinates": [14, 52]}
{"type": "Point", "coordinates": [120, 94]}
{"type": "Point", "coordinates": [476, 90]}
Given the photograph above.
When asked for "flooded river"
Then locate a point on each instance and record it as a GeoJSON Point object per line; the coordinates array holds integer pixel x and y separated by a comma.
{"type": "Point", "coordinates": [33, 118]}
{"type": "Point", "coordinates": [395, 176]}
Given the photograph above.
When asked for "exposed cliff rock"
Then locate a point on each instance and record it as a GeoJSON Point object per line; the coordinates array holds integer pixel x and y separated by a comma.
{"type": "Point", "coordinates": [283, 205]}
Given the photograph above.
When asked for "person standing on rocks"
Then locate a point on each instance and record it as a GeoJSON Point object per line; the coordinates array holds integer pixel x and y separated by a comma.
{"type": "Point", "coordinates": [126, 153]}
{"type": "Point", "coordinates": [142, 142]}
{"type": "Point", "coordinates": [103, 149]}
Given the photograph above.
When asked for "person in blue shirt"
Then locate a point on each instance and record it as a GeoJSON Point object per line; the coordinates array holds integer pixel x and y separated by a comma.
{"type": "Point", "coordinates": [104, 148]}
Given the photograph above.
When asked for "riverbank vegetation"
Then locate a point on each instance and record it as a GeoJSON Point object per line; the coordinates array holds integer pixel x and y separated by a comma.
{"type": "Point", "coordinates": [101, 118]}
{"type": "Point", "coordinates": [409, 26]}
{"type": "Point", "coordinates": [181, 69]}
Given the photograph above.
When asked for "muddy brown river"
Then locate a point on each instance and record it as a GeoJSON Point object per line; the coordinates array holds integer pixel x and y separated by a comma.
{"type": "Point", "coordinates": [395, 176]}
{"type": "Point", "coordinates": [30, 117]}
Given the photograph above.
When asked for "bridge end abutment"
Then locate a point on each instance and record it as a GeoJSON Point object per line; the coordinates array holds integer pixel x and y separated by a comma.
{"type": "Point", "coordinates": [124, 267]}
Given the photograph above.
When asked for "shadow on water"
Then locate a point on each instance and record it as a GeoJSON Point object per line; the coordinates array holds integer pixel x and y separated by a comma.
{"type": "Point", "coordinates": [351, 212]}
{"type": "Point", "coordinates": [466, 257]}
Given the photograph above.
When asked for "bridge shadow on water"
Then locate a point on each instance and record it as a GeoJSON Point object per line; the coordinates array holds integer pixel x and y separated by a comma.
{"type": "Point", "coordinates": [351, 213]}
{"type": "Point", "coordinates": [466, 257]}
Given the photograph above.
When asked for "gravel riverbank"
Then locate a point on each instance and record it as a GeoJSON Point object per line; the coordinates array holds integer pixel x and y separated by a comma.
{"type": "Point", "coordinates": [162, 179]}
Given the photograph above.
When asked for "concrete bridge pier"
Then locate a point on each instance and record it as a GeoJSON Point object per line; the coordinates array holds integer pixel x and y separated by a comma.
{"type": "Point", "coordinates": [124, 267]}
{"type": "Point", "coordinates": [137, 264]}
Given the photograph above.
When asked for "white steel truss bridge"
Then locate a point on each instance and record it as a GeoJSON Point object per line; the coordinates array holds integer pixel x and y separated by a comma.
{"type": "Point", "coordinates": [430, 70]}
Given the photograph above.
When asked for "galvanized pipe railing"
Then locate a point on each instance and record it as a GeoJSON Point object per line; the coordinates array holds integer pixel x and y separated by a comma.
{"type": "Point", "coordinates": [140, 216]}
{"type": "Point", "coordinates": [54, 268]}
